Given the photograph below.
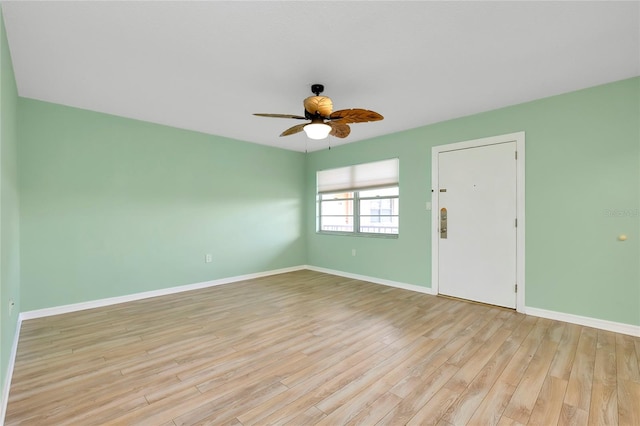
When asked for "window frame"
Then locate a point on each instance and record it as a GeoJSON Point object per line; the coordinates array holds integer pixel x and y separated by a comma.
{"type": "Point", "coordinates": [356, 214]}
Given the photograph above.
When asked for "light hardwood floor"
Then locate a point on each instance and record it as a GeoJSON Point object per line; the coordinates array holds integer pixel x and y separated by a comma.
{"type": "Point", "coordinates": [307, 348]}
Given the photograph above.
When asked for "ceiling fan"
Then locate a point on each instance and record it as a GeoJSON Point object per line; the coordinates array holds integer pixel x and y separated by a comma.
{"type": "Point", "coordinates": [324, 121]}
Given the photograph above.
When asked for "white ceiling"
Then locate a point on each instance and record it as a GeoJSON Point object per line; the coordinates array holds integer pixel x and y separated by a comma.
{"type": "Point", "coordinates": [207, 66]}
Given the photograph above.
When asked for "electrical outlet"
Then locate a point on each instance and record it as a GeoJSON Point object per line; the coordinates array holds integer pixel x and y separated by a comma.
{"type": "Point", "coordinates": [208, 258]}
{"type": "Point", "coordinates": [353, 252]}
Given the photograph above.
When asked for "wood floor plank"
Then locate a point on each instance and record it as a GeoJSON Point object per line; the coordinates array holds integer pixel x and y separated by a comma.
{"type": "Point", "coordinates": [604, 391]}
{"type": "Point", "coordinates": [465, 328]}
{"type": "Point", "coordinates": [627, 359]}
{"type": "Point", "coordinates": [517, 366]}
{"type": "Point", "coordinates": [563, 361]}
{"type": "Point", "coordinates": [549, 404]}
{"type": "Point", "coordinates": [378, 380]}
{"type": "Point", "coordinates": [490, 369]}
{"type": "Point", "coordinates": [636, 343]}
{"type": "Point", "coordinates": [221, 409]}
{"type": "Point", "coordinates": [421, 394]}
{"type": "Point", "coordinates": [490, 410]}
{"type": "Point", "coordinates": [580, 383]}
{"type": "Point", "coordinates": [306, 348]}
{"type": "Point", "coordinates": [351, 366]}
{"type": "Point", "coordinates": [469, 370]}
{"type": "Point", "coordinates": [163, 411]}
{"type": "Point", "coordinates": [375, 411]}
{"type": "Point", "coordinates": [310, 417]}
{"type": "Point", "coordinates": [499, 393]}
{"type": "Point", "coordinates": [604, 405]}
{"type": "Point", "coordinates": [507, 421]}
{"type": "Point", "coordinates": [528, 390]}
{"type": "Point", "coordinates": [628, 402]}
{"type": "Point", "coordinates": [572, 416]}
{"type": "Point", "coordinates": [628, 381]}
{"type": "Point", "coordinates": [432, 411]}
{"type": "Point", "coordinates": [318, 387]}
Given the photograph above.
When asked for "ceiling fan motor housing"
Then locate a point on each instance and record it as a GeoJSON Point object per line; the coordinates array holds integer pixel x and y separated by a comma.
{"type": "Point", "coordinates": [317, 106]}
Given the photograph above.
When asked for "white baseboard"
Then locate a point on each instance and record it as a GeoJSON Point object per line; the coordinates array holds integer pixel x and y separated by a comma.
{"type": "Point", "coordinates": [57, 310]}
{"type": "Point", "coordinates": [404, 286]}
{"type": "Point", "coordinates": [7, 380]}
{"type": "Point", "coordinates": [617, 327]}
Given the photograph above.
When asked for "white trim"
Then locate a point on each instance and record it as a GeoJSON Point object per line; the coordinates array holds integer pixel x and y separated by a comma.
{"type": "Point", "coordinates": [374, 280]}
{"type": "Point", "coordinates": [616, 327]}
{"type": "Point", "coordinates": [56, 310]}
{"type": "Point", "coordinates": [7, 380]}
{"type": "Point", "coordinates": [519, 139]}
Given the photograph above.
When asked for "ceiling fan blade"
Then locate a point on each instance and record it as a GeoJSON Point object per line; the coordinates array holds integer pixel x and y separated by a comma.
{"type": "Point", "coordinates": [339, 130]}
{"type": "Point", "coordinates": [321, 105]}
{"type": "Point", "coordinates": [297, 117]}
{"type": "Point", "coordinates": [355, 115]}
{"type": "Point", "coordinates": [293, 130]}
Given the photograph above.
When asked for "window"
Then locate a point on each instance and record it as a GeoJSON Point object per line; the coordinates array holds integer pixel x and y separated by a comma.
{"type": "Point", "coordinates": [360, 199]}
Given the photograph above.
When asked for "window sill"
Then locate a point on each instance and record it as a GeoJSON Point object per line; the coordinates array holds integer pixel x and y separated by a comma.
{"type": "Point", "coordinates": [359, 234]}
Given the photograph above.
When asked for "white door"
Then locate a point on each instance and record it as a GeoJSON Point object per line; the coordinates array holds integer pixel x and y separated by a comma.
{"type": "Point", "coordinates": [477, 242]}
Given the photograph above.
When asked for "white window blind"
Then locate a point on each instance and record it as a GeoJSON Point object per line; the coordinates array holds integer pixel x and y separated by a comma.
{"type": "Point", "coordinates": [360, 176]}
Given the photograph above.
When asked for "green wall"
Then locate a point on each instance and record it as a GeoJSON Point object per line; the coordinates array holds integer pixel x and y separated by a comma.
{"type": "Point", "coordinates": [9, 210]}
{"type": "Point", "coordinates": [113, 206]}
{"type": "Point", "coordinates": [582, 191]}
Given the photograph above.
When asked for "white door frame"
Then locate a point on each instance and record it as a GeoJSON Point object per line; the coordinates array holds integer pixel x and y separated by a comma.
{"type": "Point", "coordinates": [518, 138]}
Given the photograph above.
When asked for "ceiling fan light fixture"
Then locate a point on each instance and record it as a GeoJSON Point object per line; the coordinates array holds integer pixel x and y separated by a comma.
{"type": "Point", "coordinates": [317, 130]}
